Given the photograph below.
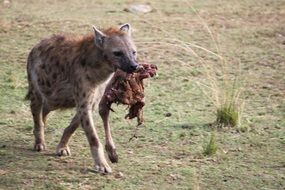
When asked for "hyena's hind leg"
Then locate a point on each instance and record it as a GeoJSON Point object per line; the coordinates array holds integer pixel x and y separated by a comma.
{"type": "Point", "coordinates": [38, 115]}
{"type": "Point", "coordinates": [45, 112]}
{"type": "Point", "coordinates": [62, 148]}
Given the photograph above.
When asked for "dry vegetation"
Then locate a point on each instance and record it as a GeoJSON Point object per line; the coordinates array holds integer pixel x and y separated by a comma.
{"type": "Point", "coordinates": [206, 51]}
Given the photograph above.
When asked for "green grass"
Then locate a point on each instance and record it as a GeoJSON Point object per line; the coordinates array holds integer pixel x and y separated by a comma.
{"type": "Point", "coordinates": [211, 147]}
{"type": "Point", "coordinates": [227, 116]}
{"type": "Point", "coordinates": [168, 153]}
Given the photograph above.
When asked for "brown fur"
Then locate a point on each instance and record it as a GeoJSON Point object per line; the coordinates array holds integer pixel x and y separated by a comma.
{"type": "Point", "coordinates": [113, 31]}
{"type": "Point", "coordinates": [68, 71]}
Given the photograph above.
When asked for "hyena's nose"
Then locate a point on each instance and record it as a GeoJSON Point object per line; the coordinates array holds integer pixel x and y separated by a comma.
{"type": "Point", "coordinates": [134, 67]}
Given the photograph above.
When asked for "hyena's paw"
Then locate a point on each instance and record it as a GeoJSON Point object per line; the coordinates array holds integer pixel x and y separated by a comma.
{"type": "Point", "coordinates": [101, 164]}
{"type": "Point", "coordinates": [63, 151]}
{"type": "Point", "coordinates": [103, 167]}
{"type": "Point", "coordinates": [39, 147]}
{"type": "Point", "coordinates": [112, 154]}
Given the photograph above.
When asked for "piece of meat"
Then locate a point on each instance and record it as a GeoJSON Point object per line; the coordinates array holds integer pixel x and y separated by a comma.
{"type": "Point", "coordinates": [128, 89]}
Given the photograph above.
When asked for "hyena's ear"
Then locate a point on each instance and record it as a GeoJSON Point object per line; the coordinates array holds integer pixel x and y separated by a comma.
{"type": "Point", "coordinates": [99, 37]}
{"type": "Point", "coordinates": [126, 28]}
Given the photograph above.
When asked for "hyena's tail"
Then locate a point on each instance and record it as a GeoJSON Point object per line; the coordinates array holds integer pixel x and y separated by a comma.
{"type": "Point", "coordinates": [28, 95]}
{"type": "Point", "coordinates": [29, 62]}
{"type": "Point", "coordinates": [30, 88]}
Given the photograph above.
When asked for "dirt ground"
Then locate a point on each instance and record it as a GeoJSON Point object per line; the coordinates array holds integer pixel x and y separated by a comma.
{"type": "Point", "coordinates": [168, 150]}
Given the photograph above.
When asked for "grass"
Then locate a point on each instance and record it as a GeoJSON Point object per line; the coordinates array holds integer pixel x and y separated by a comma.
{"type": "Point", "coordinates": [224, 94]}
{"type": "Point", "coordinates": [227, 116]}
{"type": "Point", "coordinates": [211, 147]}
{"type": "Point", "coordinates": [168, 151]}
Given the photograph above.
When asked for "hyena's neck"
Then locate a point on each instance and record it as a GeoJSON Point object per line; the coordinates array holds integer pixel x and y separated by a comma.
{"type": "Point", "coordinates": [94, 65]}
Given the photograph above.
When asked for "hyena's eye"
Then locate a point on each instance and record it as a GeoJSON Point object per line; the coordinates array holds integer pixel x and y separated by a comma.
{"type": "Point", "coordinates": [118, 53]}
{"type": "Point", "coordinates": [134, 52]}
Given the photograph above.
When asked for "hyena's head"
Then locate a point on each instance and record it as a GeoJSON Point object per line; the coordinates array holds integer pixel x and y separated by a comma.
{"type": "Point", "coordinates": [118, 47]}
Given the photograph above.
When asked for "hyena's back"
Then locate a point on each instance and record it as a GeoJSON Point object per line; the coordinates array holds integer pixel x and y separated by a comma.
{"type": "Point", "coordinates": [50, 67]}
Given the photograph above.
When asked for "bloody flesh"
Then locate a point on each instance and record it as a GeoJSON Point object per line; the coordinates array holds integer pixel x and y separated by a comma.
{"type": "Point", "coordinates": [128, 89]}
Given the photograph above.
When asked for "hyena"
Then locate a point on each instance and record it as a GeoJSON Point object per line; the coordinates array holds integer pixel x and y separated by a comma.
{"type": "Point", "coordinates": [67, 71]}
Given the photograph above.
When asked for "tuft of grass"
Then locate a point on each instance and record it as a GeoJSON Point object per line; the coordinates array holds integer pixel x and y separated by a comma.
{"type": "Point", "coordinates": [212, 147]}
{"type": "Point", "coordinates": [223, 85]}
{"type": "Point", "coordinates": [227, 116]}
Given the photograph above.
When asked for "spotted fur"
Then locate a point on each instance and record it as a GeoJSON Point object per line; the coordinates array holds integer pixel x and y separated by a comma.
{"type": "Point", "coordinates": [72, 71]}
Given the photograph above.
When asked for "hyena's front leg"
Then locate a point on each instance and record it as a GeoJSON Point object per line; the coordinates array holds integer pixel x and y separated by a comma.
{"type": "Point", "coordinates": [110, 147]}
{"type": "Point", "coordinates": [96, 147]}
{"type": "Point", "coordinates": [63, 148]}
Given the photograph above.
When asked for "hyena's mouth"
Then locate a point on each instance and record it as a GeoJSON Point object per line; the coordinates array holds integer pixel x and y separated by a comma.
{"type": "Point", "coordinates": [139, 69]}
{"type": "Point", "coordinates": [129, 70]}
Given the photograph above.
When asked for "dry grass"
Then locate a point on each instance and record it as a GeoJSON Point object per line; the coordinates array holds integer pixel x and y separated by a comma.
{"type": "Point", "coordinates": [168, 151]}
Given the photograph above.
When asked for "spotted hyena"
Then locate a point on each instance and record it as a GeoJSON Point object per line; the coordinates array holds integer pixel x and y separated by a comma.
{"type": "Point", "coordinates": [68, 71]}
